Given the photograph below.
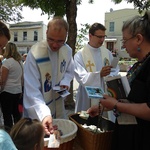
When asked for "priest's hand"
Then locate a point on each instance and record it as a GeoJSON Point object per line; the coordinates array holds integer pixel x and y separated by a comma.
{"type": "Point", "coordinates": [105, 71]}
{"type": "Point", "coordinates": [48, 125]}
{"type": "Point", "coordinates": [64, 87]}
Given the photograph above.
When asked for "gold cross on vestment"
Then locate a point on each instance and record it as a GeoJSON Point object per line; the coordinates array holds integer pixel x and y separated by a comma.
{"type": "Point", "coordinates": [89, 65]}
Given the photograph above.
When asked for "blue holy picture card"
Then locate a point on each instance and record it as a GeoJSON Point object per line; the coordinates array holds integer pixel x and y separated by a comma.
{"type": "Point", "coordinates": [94, 92]}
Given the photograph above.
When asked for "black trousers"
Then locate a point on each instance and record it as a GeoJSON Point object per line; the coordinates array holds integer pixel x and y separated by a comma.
{"type": "Point", "coordinates": [9, 106]}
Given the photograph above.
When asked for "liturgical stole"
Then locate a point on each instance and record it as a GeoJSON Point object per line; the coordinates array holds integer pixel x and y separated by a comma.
{"type": "Point", "coordinates": [90, 63]}
{"type": "Point", "coordinates": [89, 60]}
{"type": "Point", "coordinates": [40, 53]}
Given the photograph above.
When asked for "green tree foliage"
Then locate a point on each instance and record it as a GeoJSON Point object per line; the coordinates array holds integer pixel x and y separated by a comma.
{"type": "Point", "coordinates": [82, 36]}
{"type": "Point", "coordinates": [141, 5]}
{"type": "Point", "coordinates": [10, 11]}
{"type": "Point", "coordinates": [50, 7]}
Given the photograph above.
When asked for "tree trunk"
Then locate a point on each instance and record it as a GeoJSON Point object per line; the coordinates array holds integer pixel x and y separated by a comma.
{"type": "Point", "coordinates": [71, 14]}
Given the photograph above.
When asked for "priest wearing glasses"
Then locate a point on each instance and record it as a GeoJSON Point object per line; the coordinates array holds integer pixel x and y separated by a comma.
{"type": "Point", "coordinates": [48, 57]}
{"type": "Point", "coordinates": [92, 65]}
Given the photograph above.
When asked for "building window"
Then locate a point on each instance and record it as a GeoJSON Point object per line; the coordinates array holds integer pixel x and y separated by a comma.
{"type": "Point", "coordinates": [24, 36]}
{"type": "Point", "coordinates": [35, 35]}
{"type": "Point", "coordinates": [15, 36]}
{"type": "Point", "coordinates": [110, 46]}
{"type": "Point", "coordinates": [111, 26]}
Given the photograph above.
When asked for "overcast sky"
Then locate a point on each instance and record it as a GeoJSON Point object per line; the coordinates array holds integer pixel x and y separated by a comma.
{"type": "Point", "coordinates": [87, 13]}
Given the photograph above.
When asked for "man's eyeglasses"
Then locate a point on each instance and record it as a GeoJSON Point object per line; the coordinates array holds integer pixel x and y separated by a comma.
{"type": "Point", "coordinates": [100, 37]}
{"type": "Point", "coordinates": [125, 40]}
{"type": "Point", "coordinates": [59, 42]}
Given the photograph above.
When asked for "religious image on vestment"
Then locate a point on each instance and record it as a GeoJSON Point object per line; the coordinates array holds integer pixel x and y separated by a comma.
{"type": "Point", "coordinates": [47, 83]}
{"type": "Point", "coordinates": [106, 62]}
{"type": "Point", "coordinates": [62, 66]}
{"type": "Point", "coordinates": [90, 65]}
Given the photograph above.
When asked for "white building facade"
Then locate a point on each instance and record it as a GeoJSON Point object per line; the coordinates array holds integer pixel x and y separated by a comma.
{"type": "Point", "coordinates": [25, 34]}
{"type": "Point", "coordinates": [113, 22]}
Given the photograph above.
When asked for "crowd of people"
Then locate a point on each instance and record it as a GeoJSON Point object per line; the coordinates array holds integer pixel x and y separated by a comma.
{"type": "Point", "coordinates": [50, 65]}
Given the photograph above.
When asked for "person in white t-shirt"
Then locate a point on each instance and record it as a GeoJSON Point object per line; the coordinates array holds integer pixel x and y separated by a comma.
{"type": "Point", "coordinates": [11, 77]}
{"type": "Point", "coordinates": [4, 38]}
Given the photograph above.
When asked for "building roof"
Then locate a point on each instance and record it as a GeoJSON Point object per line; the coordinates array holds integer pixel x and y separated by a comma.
{"type": "Point", "coordinates": [26, 24]}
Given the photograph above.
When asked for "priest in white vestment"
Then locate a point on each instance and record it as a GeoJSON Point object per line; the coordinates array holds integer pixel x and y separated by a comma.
{"type": "Point", "coordinates": [91, 66]}
{"type": "Point", "coordinates": [49, 64]}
